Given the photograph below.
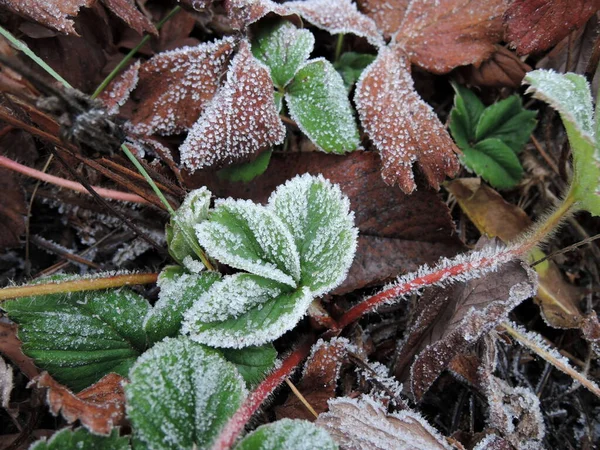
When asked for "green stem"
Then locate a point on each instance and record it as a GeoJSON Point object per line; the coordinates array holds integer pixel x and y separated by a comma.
{"type": "Point", "coordinates": [21, 46]}
{"type": "Point", "coordinates": [338, 47]}
{"type": "Point", "coordinates": [131, 53]}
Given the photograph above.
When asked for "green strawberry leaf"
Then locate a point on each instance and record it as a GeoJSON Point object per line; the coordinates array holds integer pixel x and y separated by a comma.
{"type": "Point", "coordinates": [464, 116]}
{"type": "Point", "coordinates": [181, 394]}
{"type": "Point", "coordinates": [82, 336]}
{"type": "Point", "coordinates": [253, 363]}
{"type": "Point", "coordinates": [495, 162]}
{"type": "Point", "coordinates": [250, 237]}
{"type": "Point", "coordinates": [246, 172]}
{"type": "Point", "coordinates": [351, 65]}
{"type": "Point", "coordinates": [283, 48]}
{"type": "Point", "coordinates": [178, 291]}
{"type": "Point", "coordinates": [81, 439]}
{"type": "Point", "coordinates": [318, 102]}
{"type": "Point", "coordinates": [318, 216]}
{"type": "Point", "coordinates": [288, 434]}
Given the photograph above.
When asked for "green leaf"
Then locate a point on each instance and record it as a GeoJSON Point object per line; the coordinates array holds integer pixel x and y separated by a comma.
{"type": "Point", "coordinates": [318, 216]}
{"type": "Point", "coordinates": [351, 65]}
{"type": "Point", "coordinates": [178, 291]}
{"type": "Point", "coordinates": [495, 162]}
{"type": "Point", "coordinates": [80, 337]}
{"type": "Point", "coordinates": [258, 326]}
{"type": "Point", "coordinates": [181, 395]}
{"type": "Point", "coordinates": [250, 237]}
{"type": "Point", "coordinates": [464, 116]}
{"type": "Point", "coordinates": [81, 439]}
{"type": "Point", "coordinates": [318, 103]}
{"type": "Point", "coordinates": [283, 48]}
{"type": "Point", "coordinates": [246, 172]}
{"type": "Point", "coordinates": [253, 363]}
{"type": "Point", "coordinates": [288, 434]}
{"type": "Point", "coordinates": [508, 121]}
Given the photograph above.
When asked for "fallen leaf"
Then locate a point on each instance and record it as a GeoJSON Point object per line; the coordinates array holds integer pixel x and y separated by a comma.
{"type": "Point", "coordinates": [242, 13]}
{"type": "Point", "coordinates": [387, 14]}
{"type": "Point", "coordinates": [401, 125]}
{"type": "Point", "coordinates": [502, 69]}
{"type": "Point", "coordinates": [6, 383]}
{"type": "Point", "coordinates": [55, 14]}
{"type": "Point", "coordinates": [10, 346]}
{"type": "Point", "coordinates": [492, 215]}
{"type": "Point", "coordinates": [536, 25]}
{"type": "Point", "coordinates": [175, 87]}
{"type": "Point", "coordinates": [364, 424]}
{"type": "Point", "coordinates": [119, 90]}
{"type": "Point", "coordinates": [439, 36]}
{"type": "Point", "coordinates": [448, 320]}
{"type": "Point", "coordinates": [13, 209]}
{"type": "Point", "coordinates": [319, 380]}
{"type": "Point", "coordinates": [126, 10]}
{"type": "Point", "coordinates": [240, 122]}
{"type": "Point", "coordinates": [99, 408]}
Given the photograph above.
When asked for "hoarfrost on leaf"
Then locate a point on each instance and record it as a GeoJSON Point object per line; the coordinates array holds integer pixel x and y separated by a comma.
{"type": "Point", "coordinates": [81, 439]}
{"type": "Point", "coordinates": [253, 363]}
{"type": "Point", "coordinates": [117, 92]}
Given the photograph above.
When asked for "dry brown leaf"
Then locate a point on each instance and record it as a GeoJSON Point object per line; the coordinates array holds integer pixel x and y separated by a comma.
{"type": "Point", "coordinates": [502, 69]}
{"type": "Point", "coordinates": [364, 425]}
{"type": "Point", "coordinates": [492, 215]}
{"type": "Point", "coordinates": [175, 87]}
{"type": "Point", "coordinates": [242, 13]}
{"type": "Point", "coordinates": [119, 90]}
{"type": "Point", "coordinates": [536, 25]}
{"type": "Point", "coordinates": [387, 14]}
{"type": "Point", "coordinates": [10, 346]}
{"type": "Point", "coordinates": [439, 36]}
{"type": "Point", "coordinates": [240, 122]}
{"type": "Point", "coordinates": [401, 125]}
{"type": "Point", "coordinates": [55, 14]}
{"type": "Point", "coordinates": [99, 408]}
{"type": "Point", "coordinates": [13, 209]}
{"type": "Point", "coordinates": [131, 15]}
{"type": "Point", "coordinates": [319, 380]}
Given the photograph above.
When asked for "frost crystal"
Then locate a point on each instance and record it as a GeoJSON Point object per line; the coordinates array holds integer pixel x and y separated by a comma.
{"type": "Point", "coordinates": [288, 434]}
{"type": "Point", "coordinates": [241, 119]}
{"type": "Point", "coordinates": [118, 91]}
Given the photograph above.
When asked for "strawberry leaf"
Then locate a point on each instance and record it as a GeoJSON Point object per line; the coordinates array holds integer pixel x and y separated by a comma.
{"type": "Point", "coordinates": [81, 439]}
{"type": "Point", "coordinates": [351, 65]}
{"type": "Point", "coordinates": [181, 394]}
{"type": "Point", "coordinates": [465, 116]}
{"type": "Point", "coordinates": [495, 162]}
{"type": "Point", "coordinates": [318, 102]}
{"type": "Point", "coordinates": [246, 172]}
{"type": "Point", "coordinates": [252, 363]}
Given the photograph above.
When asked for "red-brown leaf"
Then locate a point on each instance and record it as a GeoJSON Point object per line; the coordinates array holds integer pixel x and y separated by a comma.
{"type": "Point", "coordinates": [53, 14]}
{"type": "Point", "coordinates": [126, 10]}
{"type": "Point", "coordinates": [502, 69]}
{"type": "Point", "coordinates": [401, 125]}
{"type": "Point", "coordinates": [245, 12]}
{"type": "Point", "coordinates": [387, 14]}
{"type": "Point", "coordinates": [535, 25]}
{"type": "Point", "coordinates": [118, 91]}
{"type": "Point", "coordinates": [10, 346]}
{"type": "Point", "coordinates": [240, 122]}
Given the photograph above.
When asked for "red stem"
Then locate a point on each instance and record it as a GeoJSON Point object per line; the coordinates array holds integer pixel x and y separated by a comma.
{"type": "Point", "coordinates": [239, 420]}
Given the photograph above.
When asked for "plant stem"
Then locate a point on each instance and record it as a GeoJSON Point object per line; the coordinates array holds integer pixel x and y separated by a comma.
{"type": "Point", "coordinates": [241, 417]}
{"type": "Point", "coordinates": [338, 47]}
{"type": "Point", "coordinates": [21, 46]}
{"type": "Point", "coordinates": [73, 185]}
{"type": "Point", "coordinates": [131, 53]}
{"type": "Point", "coordinates": [83, 284]}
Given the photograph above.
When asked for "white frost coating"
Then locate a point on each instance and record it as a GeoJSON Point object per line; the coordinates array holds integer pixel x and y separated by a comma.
{"type": "Point", "coordinates": [289, 434]}
{"type": "Point", "coordinates": [319, 217]}
{"type": "Point", "coordinates": [391, 383]}
{"type": "Point", "coordinates": [232, 297]}
{"type": "Point", "coordinates": [119, 91]}
{"type": "Point", "coordinates": [490, 441]}
{"type": "Point", "coordinates": [275, 257]}
{"type": "Point", "coordinates": [240, 120]}
{"type": "Point", "coordinates": [338, 17]}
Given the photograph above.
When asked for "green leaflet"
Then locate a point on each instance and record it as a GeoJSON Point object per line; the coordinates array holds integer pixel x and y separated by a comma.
{"type": "Point", "coordinates": [252, 363]}
{"type": "Point", "coordinates": [81, 439]}
{"type": "Point", "coordinates": [288, 434]}
{"type": "Point", "coordinates": [495, 162]}
{"type": "Point", "coordinates": [351, 65]}
{"type": "Point", "coordinates": [246, 172]}
{"type": "Point", "coordinates": [80, 337]}
{"type": "Point", "coordinates": [181, 394]}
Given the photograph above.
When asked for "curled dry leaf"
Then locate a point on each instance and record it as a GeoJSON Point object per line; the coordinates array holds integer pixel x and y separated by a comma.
{"type": "Point", "coordinates": [401, 125]}
{"type": "Point", "coordinates": [99, 408]}
{"type": "Point", "coordinates": [127, 10]}
{"type": "Point", "coordinates": [536, 25]}
{"type": "Point", "coordinates": [387, 14]}
{"type": "Point", "coordinates": [242, 13]}
{"type": "Point", "coordinates": [119, 90]}
{"type": "Point", "coordinates": [10, 346]}
{"type": "Point", "coordinates": [364, 424]}
{"type": "Point", "coordinates": [240, 122]}
{"type": "Point", "coordinates": [502, 69]}
{"type": "Point", "coordinates": [55, 14]}
{"type": "Point", "coordinates": [175, 87]}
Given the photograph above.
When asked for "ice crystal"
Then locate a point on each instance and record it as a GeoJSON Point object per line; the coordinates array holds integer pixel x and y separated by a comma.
{"type": "Point", "coordinates": [119, 90]}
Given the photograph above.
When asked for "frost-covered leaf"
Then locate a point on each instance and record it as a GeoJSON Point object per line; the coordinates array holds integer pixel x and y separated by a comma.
{"type": "Point", "coordinates": [241, 120]}
{"type": "Point", "coordinates": [82, 336]}
{"type": "Point", "coordinates": [181, 394]}
{"type": "Point", "coordinates": [81, 439]}
{"type": "Point", "coordinates": [402, 127]}
{"type": "Point", "coordinates": [439, 36]}
{"type": "Point", "coordinates": [289, 435]}
{"type": "Point", "coordinates": [570, 95]}
{"type": "Point", "coordinates": [178, 292]}
{"type": "Point", "coordinates": [318, 216]}
{"type": "Point", "coordinates": [387, 14]}
{"type": "Point", "coordinates": [495, 162]}
{"type": "Point", "coordinates": [55, 14]}
{"type": "Point", "coordinates": [364, 424]}
{"type": "Point", "coordinates": [131, 15]}
{"type": "Point", "coordinates": [99, 408]}
{"type": "Point", "coordinates": [119, 90]}
{"type": "Point", "coordinates": [318, 103]}
{"type": "Point", "coordinates": [283, 48]}
{"type": "Point", "coordinates": [260, 325]}
{"type": "Point", "coordinates": [351, 65]}
{"type": "Point", "coordinates": [250, 237]}
{"type": "Point", "coordinates": [338, 17]}
{"type": "Point", "coordinates": [6, 383]}
{"type": "Point", "coordinates": [242, 13]}
{"type": "Point", "coordinates": [246, 172]}
{"type": "Point", "coordinates": [253, 363]}
{"type": "Point", "coordinates": [176, 86]}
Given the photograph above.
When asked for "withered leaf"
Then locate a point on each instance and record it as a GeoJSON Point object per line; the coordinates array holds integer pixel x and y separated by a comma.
{"type": "Point", "coordinates": [387, 14]}
{"type": "Point", "coordinates": [13, 209]}
{"type": "Point", "coordinates": [319, 380]}
{"type": "Point", "coordinates": [448, 320]}
{"type": "Point", "coordinates": [126, 10]}
{"type": "Point", "coordinates": [502, 69]}
{"type": "Point", "coordinates": [401, 125]}
{"type": "Point", "coordinates": [99, 408]}
{"type": "Point", "coordinates": [240, 122]}
{"type": "Point", "coordinates": [118, 91]}
{"type": "Point", "coordinates": [535, 25]}
{"type": "Point", "coordinates": [10, 346]}
{"type": "Point", "coordinates": [55, 14]}
{"type": "Point", "coordinates": [364, 424]}
{"type": "Point", "coordinates": [242, 13]}
{"type": "Point", "coordinates": [175, 87]}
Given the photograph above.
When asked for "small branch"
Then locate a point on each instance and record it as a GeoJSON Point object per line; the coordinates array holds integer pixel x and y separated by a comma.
{"type": "Point", "coordinates": [239, 420]}
{"type": "Point", "coordinates": [301, 397]}
{"type": "Point", "coordinates": [79, 285]}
